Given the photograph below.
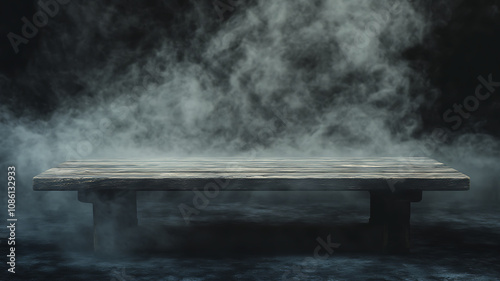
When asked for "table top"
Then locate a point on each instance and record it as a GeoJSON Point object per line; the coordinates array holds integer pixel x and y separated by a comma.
{"type": "Point", "coordinates": [240, 173]}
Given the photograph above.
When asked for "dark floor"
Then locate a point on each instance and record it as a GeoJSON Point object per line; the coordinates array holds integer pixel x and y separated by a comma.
{"type": "Point", "coordinates": [231, 240]}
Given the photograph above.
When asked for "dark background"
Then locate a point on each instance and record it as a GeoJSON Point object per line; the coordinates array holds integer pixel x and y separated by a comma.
{"type": "Point", "coordinates": [159, 78]}
{"type": "Point", "coordinates": [463, 43]}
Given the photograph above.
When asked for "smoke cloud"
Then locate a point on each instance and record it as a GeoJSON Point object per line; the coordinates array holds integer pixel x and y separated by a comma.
{"type": "Point", "coordinates": [281, 78]}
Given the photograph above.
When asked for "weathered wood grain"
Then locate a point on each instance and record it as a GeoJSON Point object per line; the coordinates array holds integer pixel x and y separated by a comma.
{"type": "Point", "coordinates": [312, 173]}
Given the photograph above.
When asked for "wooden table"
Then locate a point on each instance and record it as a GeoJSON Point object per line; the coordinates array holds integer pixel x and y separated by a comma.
{"type": "Point", "coordinates": [111, 185]}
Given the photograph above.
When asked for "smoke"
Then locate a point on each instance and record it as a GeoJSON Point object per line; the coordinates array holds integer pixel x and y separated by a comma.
{"type": "Point", "coordinates": [309, 77]}
{"type": "Point", "coordinates": [282, 78]}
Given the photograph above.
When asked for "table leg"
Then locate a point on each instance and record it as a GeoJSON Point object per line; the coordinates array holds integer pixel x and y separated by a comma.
{"type": "Point", "coordinates": [115, 219]}
{"type": "Point", "coordinates": [391, 211]}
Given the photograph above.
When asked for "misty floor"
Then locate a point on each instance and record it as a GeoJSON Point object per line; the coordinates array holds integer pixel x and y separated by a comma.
{"type": "Point", "coordinates": [253, 239]}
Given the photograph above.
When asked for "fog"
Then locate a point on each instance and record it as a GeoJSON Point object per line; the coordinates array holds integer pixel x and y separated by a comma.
{"type": "Point", "coordinates": [272, 78]}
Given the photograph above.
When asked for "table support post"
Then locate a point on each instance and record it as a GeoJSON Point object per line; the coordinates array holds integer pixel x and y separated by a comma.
{"type": "Point", "coordinates": [115, 219]}
{"type": "Point", "coordinates": [391, 211]}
